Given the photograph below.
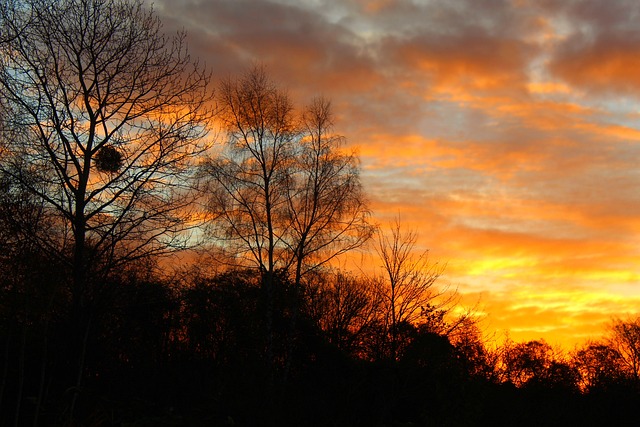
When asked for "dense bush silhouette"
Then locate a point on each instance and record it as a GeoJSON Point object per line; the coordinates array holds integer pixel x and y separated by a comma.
{"type": "Point", "coordinates": [193, 352]}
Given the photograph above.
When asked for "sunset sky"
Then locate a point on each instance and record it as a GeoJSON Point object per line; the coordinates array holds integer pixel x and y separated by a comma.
{"type": "Point", "coordinates": [506, 132]}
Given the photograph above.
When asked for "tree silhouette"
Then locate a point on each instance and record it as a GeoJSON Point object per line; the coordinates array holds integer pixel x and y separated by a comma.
{"type": "Point", "coordinates": [326, 211]}
{"type": "Point", "coordinates": [624, 338]}
{"type": "Point", "coordinates": [30, 298]}
{"type": "Point", "coordinates": [105, 114]}
{"type": "Point", "coordinates": [345, 308]}
{"type": "Point", "coordinates": [282, 196]}
{"type": "Point", "coordinates": [12, 22]}
{"type": "Point", "coordinates": [282, 192]}
{"type": "Point", "coordinates": [523, 362]}
{"type": "Point", "coordinates": [245, 183]}
{"type": "Point", "coordinates": [600, 366]}
{"type": "Point", "coordinates": [407, 289]}
{"type": "Point", "coordinates": [537, 364]}
{"type": "Point", "coordinates": [478, 361]}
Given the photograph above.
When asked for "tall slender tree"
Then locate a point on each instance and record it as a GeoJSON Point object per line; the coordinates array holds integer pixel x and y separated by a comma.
{"type": "Point", "coordinates": [407, 287]}
{"type": "Point", "coordinates": [326, 207]}
{"type": "Point", "coordinates": [283, 196]}
{"type": "Point", "coordinates": [245, 183]}
{"type": "Point", "coordinates": [282, 193]}
{"type": "Point", "coordinates": [106, 114]}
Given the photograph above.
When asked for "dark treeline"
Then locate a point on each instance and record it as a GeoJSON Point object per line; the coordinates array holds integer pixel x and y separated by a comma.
{"type": "Point", "coordinates": [107, 174]}
{"type": "Point", "coordinates": [193, 351]}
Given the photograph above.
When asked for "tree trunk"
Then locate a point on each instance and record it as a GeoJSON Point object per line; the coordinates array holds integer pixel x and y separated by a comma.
{"type": "Point", "coordinates": [5, 366]}
{"type": "Point", "coordinates": [43, 372]}
{"type": "Point", "coordinates": [80, 324]}
{"type": "Point", "coordinates": [23, 344]}
{"type": "Point", "coordinates": [294, 312]}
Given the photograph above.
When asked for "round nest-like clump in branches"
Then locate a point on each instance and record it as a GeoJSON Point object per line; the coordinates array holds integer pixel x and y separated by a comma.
{"type": "Point", "coordinates": [108, 159]}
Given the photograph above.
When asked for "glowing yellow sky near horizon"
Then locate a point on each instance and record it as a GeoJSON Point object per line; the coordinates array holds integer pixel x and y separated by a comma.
{"type": "Point", "coordinates": [505, 132]}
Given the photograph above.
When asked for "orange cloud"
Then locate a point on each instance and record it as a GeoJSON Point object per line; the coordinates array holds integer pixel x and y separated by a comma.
{"type": "Point", "coordinates": [607, 64]}
{"type": "Point", "coordinates": [474, 60]}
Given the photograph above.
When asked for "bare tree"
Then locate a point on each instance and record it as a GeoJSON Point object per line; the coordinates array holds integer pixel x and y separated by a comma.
{"type": "Point", "coordinates": [111, 112]}
{"type": "Point", "coordinates": [282, 194]}
{"type": "Point", "coordinates": [245, 183]}
{"type": "Point", "coordinates": [283, 197]}
{"type": "Point", "coordinates": [624, 338]}
{"type": "Point", "coordinates": [473, 349]}
{"type": "Point", "coordinates": [14, 18]}
{"type": "Point", "coordinates": [345, 308]}
{"type": "Point", "coordinates": [107, 114]}
{"type": "Point", "coordinates": [325, 203]}
{"type": "Point", "coordinates": [407, 286]}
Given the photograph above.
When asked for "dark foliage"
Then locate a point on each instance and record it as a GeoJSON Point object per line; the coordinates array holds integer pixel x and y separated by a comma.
{"type": "Point", "coordinates": [108, 159]}
{"type": "Point", "coordinates": [195, 354]}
